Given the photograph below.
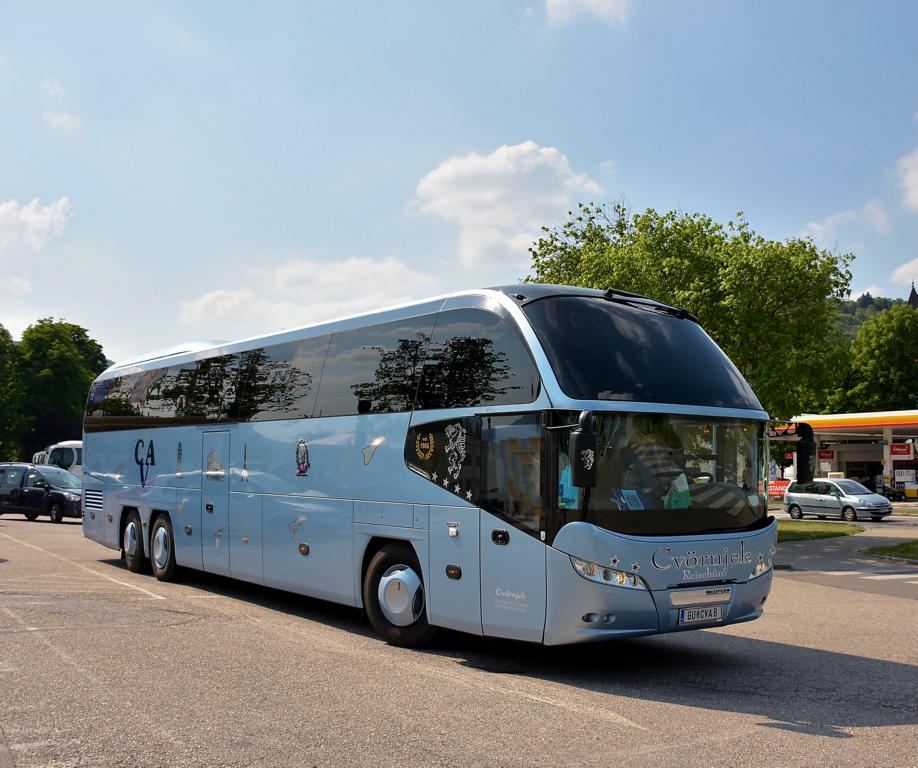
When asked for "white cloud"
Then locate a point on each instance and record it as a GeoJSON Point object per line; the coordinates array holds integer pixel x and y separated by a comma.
{"type": "Point", "coordinates": [301, 292]}
{"type": "Point", "coordinates": [19, 286]}
{"type": "Point", "coordinates": [906, 273]}
{"type": "Point", "coordinates": [873, 290]}
{"type": "Point", "coordinates": [50, 87]}
{"type": "Point", "coordinates": [871, 213]}
{"type": "Point", "coordinates": [608, 167]}
{"type": "Point", "coordinates": [501, 200]}
{"type": "Point", "coordinates": [908, 176]}
{"type": "Point", "coordinates": [565, 11]}
{"type": "Point", "coordinates": [62, 122]}
{"type": "Point", "coordinates": [32, 224]}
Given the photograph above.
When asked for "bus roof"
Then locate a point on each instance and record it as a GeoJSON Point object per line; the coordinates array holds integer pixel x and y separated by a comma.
{"type": "Point", "coordinates": [519, 294]}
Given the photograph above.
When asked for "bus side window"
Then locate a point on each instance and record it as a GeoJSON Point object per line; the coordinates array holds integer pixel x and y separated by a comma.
{"type": "Point", "coordinates": [374, 369]}
{"type": "Point", "coordinates": [476, 359]}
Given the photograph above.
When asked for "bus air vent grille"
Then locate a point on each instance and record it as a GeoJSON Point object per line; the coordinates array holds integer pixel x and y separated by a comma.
{"type": "Point", "coordinates": [92, 500]}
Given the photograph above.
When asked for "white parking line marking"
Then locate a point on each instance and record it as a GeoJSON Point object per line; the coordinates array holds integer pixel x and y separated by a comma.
{"type": "Point", "coordinates": [152, 595]}
{"type": "Point", "coordinates": [882, 576]}
{"type": "Point", "coordinates": [841, 573]}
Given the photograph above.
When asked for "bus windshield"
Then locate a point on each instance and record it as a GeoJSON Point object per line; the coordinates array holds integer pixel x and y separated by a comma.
{"type": "Point", "coordinates": [660, 474]}
{"type": "Point", "coordinates": [603, 350]}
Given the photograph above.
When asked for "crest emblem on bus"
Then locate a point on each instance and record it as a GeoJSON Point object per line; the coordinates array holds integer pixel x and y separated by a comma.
{"type": "Point", "coordinates": [455, 449]}
{"type": "Point", "coordinates": [302, 458]}
{"type": "Point", "coordinates": [587, 457]}
{"type": "Point", "coordinates": [424, 446]}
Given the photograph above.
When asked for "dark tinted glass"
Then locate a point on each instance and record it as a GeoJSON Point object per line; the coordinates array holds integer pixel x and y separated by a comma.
{"type": "Point", "coordinates": [276, 382]}
{"type": "Point", "coordinates": [601, 350]}
{"type": "Point", "coordinates": [511, 472]}
{"type": "Point", "coordinates": [476, 359]}
{"type": "Point", "coordinates": [375, 369]}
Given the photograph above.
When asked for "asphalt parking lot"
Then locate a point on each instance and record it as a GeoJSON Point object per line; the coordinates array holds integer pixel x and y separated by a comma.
{"type": "Point", "coordinates": [102, 667]}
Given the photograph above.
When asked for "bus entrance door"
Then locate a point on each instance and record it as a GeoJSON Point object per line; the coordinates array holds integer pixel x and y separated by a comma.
{"type": "Point", "coordinates": [215, 535]}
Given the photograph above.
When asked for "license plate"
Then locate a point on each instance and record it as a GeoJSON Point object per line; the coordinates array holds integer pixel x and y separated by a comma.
{"type": "Point", "coordinates": [701, 614]}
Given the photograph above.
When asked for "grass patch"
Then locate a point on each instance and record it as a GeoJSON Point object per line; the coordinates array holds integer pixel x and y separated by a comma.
{"type": "Point", "coordinates": [803, 530]}
{"type": "Point", "coordinates": [907, 549]}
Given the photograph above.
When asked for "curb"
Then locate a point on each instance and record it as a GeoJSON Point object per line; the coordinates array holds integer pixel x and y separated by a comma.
{"type": "Point", "coordinates": [894, 558]}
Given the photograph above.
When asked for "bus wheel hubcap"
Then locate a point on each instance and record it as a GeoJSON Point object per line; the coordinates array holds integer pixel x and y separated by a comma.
{"type": "Point", "coordinates": [401, 595]}
{"type": "Point", "coordinates": [161, 548]}
{"type": "Point", "coordinates": [130, 539]}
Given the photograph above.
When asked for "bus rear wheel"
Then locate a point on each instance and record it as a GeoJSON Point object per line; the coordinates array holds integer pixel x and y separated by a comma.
{"type": "Point", "coordinates": [393, 597]}
{"type": "Point", "coordinates": [162, 549]}
{"type": "Point", "coordinates": [132, 543]}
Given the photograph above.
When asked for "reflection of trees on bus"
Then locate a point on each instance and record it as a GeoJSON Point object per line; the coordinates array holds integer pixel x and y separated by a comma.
{"type": "Point", "coordinates": [466, 371]}
{"type": "Point", "coordinates": [396, 376]}
{"type": "Point", "coordinates": [270, 386]}
{"type": "Point", "coordinates": [463, 371]}
{"type": "Point", "coordinates": [237, 387]}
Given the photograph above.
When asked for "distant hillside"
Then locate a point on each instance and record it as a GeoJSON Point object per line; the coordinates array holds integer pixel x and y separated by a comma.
{"type": "Point", "coordinates": [854, 313]}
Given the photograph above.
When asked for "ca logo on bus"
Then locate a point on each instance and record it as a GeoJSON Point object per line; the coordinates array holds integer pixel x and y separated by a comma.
{"type": "Point", "coordinates": [144, 460]}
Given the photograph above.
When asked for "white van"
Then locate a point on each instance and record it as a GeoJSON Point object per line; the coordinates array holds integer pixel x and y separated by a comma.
{"type": "Point", "coordinates": [66, 455]}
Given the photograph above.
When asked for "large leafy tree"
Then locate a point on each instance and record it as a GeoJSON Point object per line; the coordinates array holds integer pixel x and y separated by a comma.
{"type": "Point", "coordinates": [7, 352]}
{"type": "Point", "coordinates": [770, 305]}
{"type": "Point", "coordinates": [56, 363]}
{"type": "Point", "coordinates": [884, 363]}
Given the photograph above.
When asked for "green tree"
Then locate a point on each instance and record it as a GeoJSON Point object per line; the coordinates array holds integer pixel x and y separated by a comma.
{"type": "Point", "coordinates": [56, 363]}
{"type": "Point", "coordinates": [771, 306]}
{"type": "Point", "coordinates": [7, 354]}
{"type": "Point", "coordinates": [884, 363]}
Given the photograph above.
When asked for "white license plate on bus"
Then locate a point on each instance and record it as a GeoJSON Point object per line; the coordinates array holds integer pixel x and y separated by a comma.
{"type": "Point", "coordinates": [702, 614]}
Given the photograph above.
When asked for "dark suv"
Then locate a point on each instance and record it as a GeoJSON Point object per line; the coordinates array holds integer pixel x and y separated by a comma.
{"type": "Point", "coordinates": [34, 490]}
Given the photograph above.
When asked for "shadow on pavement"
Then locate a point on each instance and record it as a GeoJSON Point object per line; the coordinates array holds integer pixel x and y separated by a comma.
{"type": "Point", "coordinates": [797, 689]}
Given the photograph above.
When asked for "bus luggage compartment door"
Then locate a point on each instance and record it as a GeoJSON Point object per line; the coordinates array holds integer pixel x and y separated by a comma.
{"type": "Point", "coordinates": [215, 534]}
{"type": "Point", "coordinates": [512, 581]}
{"type": "Point", "coordinates": [454, 581]}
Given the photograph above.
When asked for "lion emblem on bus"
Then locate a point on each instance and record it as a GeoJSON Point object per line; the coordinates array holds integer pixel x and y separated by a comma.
{"type": "Point", "coordinates": [302, 458]}
{"type": "Point", "coordinates": [455, 449]}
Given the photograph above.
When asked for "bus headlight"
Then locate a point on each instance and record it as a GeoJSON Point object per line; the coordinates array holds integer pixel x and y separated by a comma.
{"type": "Point", "coordinates": [762, 567]}
{"type": "Point", "coordinates": [603, 574]}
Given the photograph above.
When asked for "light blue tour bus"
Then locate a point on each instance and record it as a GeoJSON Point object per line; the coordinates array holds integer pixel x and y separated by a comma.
{"type": "Point", "coordinates": [542, 463]}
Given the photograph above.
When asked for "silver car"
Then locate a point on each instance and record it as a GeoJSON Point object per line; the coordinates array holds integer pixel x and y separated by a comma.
{"type": "Point", "coordinates": [846, 499]}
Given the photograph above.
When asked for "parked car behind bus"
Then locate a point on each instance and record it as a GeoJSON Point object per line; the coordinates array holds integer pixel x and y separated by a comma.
{"type": "Point", "coordinates": [845, 499]}
{"type": "Point", "coordinates": [34, 490]}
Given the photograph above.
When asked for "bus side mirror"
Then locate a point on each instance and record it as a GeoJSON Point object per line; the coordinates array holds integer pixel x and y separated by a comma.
{"type": "Point", "coordinates": [806, 454]}
{"type": "Point", "coordinates": [583, 452]}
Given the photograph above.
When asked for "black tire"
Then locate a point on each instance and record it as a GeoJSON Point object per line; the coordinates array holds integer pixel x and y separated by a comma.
{"type": "Point", "coordinates": [414, 635]}
{"type": "Point", "coordinates": [132, 544]}
{"type": "Point", "coordinates": [162, 549]}
{"type": "Point", "coordinates": [31, 516]}
{"type": "Point", "coordinates": [795, 512]}
{"type": "Point", "coordinates": [848, 514]}
{"type": "Point", "coordinates": [56, 512]}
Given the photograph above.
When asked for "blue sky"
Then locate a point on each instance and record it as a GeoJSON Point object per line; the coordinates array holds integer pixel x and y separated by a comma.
{"type": "Point", "coordinates": [181, 171]}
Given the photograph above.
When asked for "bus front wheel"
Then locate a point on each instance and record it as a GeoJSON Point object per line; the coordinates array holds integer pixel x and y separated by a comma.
{"type": "Point", "coordinates": [393, 597]}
